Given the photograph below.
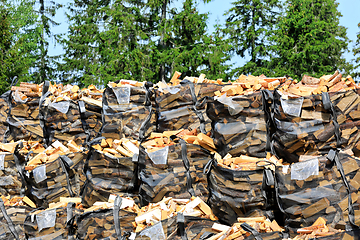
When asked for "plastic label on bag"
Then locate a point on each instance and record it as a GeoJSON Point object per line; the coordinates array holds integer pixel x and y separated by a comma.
{"type": "Point", "coordinates": [155, 232]}
{"type": "Point", "coordinates": [285, 169]}
{"type": "Point", "coordinates": [17, 97]}
{"type": "Point", "coordinates": [2, 161]}
{"type": "Point", "coordinates": [292, 106]}
{"type": "Point", "coordinates": [172, 90]}
{"type": "Point", "coordinates": [303, 170]}
{"type": "Point", "coordinates": [6, 181]}
{"type": "Point", "coordinates": [122, 94]}
{"type": "Point", "coordinates": [159, 156]}
{"type": "Point", "coordinates": [62, 106]}
{"type": "Point", "coordinates": [39, 173]}
{"type": "Point", "coordinates": [46, 219]}
{"type": "Point", "coordinates": [233, 107]}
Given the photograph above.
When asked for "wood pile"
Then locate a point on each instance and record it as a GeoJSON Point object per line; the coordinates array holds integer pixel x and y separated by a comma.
{"type": "Point", "coordinates": [318, 229]}
{"type": "Point", "coordinates": [24, 123]}
{"type": "Point", "coordinates": [53, 222]}
{"type": "Point", "coordinates": [110, 169]}
{"type": "Point", "coordinates": [4, 112]}
{"type": "Point", "coordinates": [11, 180]}
{"type": "Point", "coordinates": [311, 189]}
{"type": "Point", "coordinates": [99, 221]}
{"type": "Point", "coordinates": [259, 224]}
{"type": "Point", "coordinates": [237, 193]}
{"type": "Point", "coordinates": [239, 124]}
{"type": "Point", "coordinates": [247, 163]}
{"type": "Point", "coordinates": [312, 86]}
{"type": "Point", "coordinates": [126, 108]}
{"type": "Point", "coordinates": [168, 169]}
{"type": "Point", "coordinates": [169, 207]}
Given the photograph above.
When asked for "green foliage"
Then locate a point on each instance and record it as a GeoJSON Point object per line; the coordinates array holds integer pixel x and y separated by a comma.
{"type": "Point", "coordinates": [309, 39]}
{"type": "Point", "coordinates": [356, 52]}
{"type": "Point", "coordinates": [248, 26]}
{"type": "Point", "coordinates": [18, 44]}
{"type": "Point", "coordinates": [139, 40]}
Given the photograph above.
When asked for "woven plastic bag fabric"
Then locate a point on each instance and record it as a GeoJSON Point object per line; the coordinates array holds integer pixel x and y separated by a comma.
{"type": "Point", "coordinates": [127, 112]}
{"type": "Point", "coordinates": [23, 120]}
{"type": "Point", "coordinates": [239, 124]}
{"type": "Point", "coordinates": [63, 122]}
{"type": "Point", "coordinates": [101, 224]}
{"type": "Point", "coordinates": [176, 108]}
{"type": "Point", "coordinates": [172, 228]}
{"type": "Point", "coordinates": [11, 225]}
{"type": "Point", "coordinates": [107, 174]}
{"type": "Point", "coordinates": [57, 223]}
{"type": "Point", "coordinates": [174, 171]}
{"type": "Point", "coordinates": [4, 112]}
{"type": "Point", "coordinates": [315, 188]}
{"type": "Point", "coordinates": [237, 193]}
{"type": "Point", "coordinates": [50, 181]}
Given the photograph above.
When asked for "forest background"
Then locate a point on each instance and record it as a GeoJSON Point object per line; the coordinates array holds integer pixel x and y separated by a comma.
{"type": "Point", "coordinates": [109, 40]}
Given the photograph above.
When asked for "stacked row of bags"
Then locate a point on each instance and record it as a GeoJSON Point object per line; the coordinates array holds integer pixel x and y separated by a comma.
{"type": "Point", "coordinates": [229, 144]}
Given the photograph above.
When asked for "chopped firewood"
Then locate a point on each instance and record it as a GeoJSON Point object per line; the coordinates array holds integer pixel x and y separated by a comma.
{"type": "Point", "coordinates": [247, 163]}
{"type": "Point", "coordinates": [160, 140]}
{"type": "Point", "coordinates": [311, 86]}
{"type": "Point", "coordinates": [127, 204]}
{"type": "Point", "coordinates": [169, 207]}
{"type": "Point", "coordinates": [50, 154]}
{"type": "Point", "coordinates": [318, 229]}
{"type": "Point", "coordinates": [260, 224]}
{"type": "Point", "coordinates": [17, 201]}
{"type": "Point", "coordinates": [118, 148]}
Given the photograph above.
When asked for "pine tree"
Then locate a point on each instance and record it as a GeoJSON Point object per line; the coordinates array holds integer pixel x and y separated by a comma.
{"type": "Point", "coordinates": [248, 25]}
{"type": "Point", "coordinates": [309, 39]}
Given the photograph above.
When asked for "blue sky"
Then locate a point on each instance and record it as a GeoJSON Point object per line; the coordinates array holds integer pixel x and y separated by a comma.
{"type": "Point", "coordinates": [216, 8]}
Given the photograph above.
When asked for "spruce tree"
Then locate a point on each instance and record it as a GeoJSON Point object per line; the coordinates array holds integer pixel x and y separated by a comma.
{"type": "Point", "coordinates": [309, 39]}
{"type": "Point", "coordinates": [248, 26]}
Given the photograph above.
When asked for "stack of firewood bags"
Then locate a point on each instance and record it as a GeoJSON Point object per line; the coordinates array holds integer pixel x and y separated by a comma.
{"type": "Point", "coordinates": [195, 158]}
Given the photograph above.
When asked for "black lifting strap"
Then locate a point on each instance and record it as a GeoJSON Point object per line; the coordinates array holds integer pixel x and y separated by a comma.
{"type": "Point", "coordinates": [19, 168]}
{"type": "Point", "coordinates": [82, 110]}
{"type": "Point", "coordinates": [333, 157]}
{"type": "Point", "coordinates": [187, 167]}
{"type": "Point", "coordinates": [329, 106]}
{"type": "Point", "coordinates": [251, 230]}
{"type": "Point", "coordinates": [181, 226]}
{"type": "Point", "coordinates": [70, 220]}
{"type": "Point", "coordinates": [266, 95]}
{"type": "Point", "coordinates": [45, 93]}
{"type": "Point", "coordinates": [117, 205]}
{"type": "Point", "coordinates": [65, 160]}
{"type": "Point", "coordinates": [8, 220]}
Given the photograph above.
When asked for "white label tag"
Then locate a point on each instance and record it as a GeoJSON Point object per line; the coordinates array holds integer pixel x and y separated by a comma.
{"type": "Point", "coordinates": [122, 94]}
{"type": "Point", "coordinates": [155, 232]}
{"type": "Point", "coordinates": [46, 219]}
{"type": "Point", "coordinates": [303, 170]}
{"type": "Point", "coordinates": [39, 173]}
{"type": "Point", "coordinates": [62, 106]}
{"type": "Point", "coordinates": [292, 106]}
{"type": "Point", "coordinates": [2, 161]}
{"type": "Point", "coordinates": [159, 156]}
